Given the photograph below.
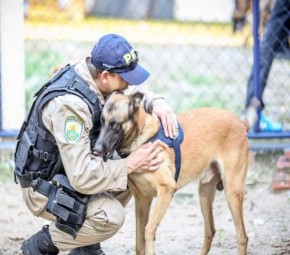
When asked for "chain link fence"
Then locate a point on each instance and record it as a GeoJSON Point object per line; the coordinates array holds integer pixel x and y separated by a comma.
{"type": "Point", "coordinates": [189, 47]}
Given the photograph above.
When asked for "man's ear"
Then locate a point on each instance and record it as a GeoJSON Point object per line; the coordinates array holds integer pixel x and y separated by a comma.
{"type": "Point", "coordinates": [104, 76]}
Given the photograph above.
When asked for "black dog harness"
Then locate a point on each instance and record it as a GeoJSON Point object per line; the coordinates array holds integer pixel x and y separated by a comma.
{"type": "Point", "coordinates": [175, 143]}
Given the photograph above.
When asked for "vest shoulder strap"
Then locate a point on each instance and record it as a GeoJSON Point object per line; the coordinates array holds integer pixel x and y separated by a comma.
{"type": "Point", "coordinates": [64, 82]}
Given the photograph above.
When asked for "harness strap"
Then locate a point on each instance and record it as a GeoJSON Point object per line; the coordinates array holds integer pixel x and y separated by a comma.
{"type": "Point", "coordinates": [175, 143]}
{"type": "Point", "coordinates": [42, 186]}
{"type": "Point", "coordinates": [45, 135]}
{"type": "Point", "coordinates": [43, 155]}
{"type": "Point", "coordinates": [26, 179]}
{"type": "Point", "coordinates": [176, 147]}
{"type": "Point", "coordinates": [80, 86]}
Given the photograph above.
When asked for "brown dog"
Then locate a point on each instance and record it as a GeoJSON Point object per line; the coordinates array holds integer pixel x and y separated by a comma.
{"type": "Point", "coordinates": [214, 150]}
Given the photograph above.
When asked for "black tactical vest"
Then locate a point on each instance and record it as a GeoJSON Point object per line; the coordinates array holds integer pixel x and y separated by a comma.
{"type": "Point", "coordinates": [36, 152]}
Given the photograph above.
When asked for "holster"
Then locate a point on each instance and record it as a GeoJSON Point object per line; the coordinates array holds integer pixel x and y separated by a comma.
{"type": "Point", "coordinates": [64, 202]}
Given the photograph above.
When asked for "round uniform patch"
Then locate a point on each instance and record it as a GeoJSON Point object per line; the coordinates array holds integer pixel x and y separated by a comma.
{"type": "Point", "coordinates": [73, 129]}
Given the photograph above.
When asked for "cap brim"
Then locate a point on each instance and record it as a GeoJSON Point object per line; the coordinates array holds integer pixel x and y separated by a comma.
{"type": "Point", "coordinates": [136, 76]}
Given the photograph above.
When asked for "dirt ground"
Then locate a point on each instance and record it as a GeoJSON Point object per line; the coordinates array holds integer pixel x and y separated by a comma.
{"type": "Point", "coordinates": [267, 219]}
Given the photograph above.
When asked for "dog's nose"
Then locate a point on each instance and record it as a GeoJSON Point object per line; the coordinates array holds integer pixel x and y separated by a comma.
{"type": "Point", "coordinates": [100, 149]}
{"type": "Point", "coordinates": [95, 153]}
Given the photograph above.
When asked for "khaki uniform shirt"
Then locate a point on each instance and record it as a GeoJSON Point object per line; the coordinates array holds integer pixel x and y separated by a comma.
{"type": "Point", "coordinates": [87, 173]}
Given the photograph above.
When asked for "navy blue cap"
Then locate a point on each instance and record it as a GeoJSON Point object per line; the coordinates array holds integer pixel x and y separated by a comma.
{"type": "Point", "coordinates": [113, 53]}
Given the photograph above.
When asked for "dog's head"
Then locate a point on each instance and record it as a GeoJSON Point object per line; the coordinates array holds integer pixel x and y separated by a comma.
{"type": "Point", "coordinates": [121, 122]}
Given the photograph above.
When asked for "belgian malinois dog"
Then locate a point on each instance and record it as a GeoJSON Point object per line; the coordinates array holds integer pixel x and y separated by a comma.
{"type": "Point", "coordinates": [214, 152]}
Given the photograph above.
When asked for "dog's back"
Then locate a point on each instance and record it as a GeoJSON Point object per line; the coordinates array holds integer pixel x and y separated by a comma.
{"type": "Point", "coordinates": [212, 137]}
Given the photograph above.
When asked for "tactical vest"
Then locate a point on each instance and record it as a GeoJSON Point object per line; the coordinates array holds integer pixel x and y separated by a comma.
{"type": "Point", "coordinates": [36, 152]}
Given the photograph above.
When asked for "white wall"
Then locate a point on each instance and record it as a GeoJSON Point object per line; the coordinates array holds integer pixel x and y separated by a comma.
{"type": "Point", "coordinates": [12, 63]}
{"type": "Point", "coordinates": [204, 10]}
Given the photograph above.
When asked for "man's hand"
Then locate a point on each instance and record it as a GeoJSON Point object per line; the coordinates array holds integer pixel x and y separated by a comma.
{"type": "Point", "coordinates": [147, 158]}
{"type": "Point", "coordinates": [168, 118]}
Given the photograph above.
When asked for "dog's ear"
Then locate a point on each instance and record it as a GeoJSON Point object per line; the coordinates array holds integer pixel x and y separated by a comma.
{"type": "Point", "coordinates": [140, 98]}
{"type": "Point", "coordinates": [135, 101]}
{"type": "Point", "coordinates": [143, 100]}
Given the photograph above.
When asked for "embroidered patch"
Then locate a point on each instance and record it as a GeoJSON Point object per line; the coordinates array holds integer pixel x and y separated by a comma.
{"type": "Point", "coordinates": [73, 129]}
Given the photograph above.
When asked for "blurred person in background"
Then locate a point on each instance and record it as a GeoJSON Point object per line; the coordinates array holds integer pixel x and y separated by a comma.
{"type": "Point", "coordinates": [25, 8]}
{"type": "Point", "coordinates": [275, 39]}
{"type": "Point", "coordinates": [62, 180]}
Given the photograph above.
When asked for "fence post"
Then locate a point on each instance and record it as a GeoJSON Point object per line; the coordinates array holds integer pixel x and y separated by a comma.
{"type": "Point", "coordinates": [256, 53]}
{"type": "Point", "coordinates": [12, 65]}
{"type": "Point", "coordinates": [257, 133]}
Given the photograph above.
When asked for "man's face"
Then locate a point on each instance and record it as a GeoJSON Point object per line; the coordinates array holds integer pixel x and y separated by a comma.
{"type": "Point", "coordinates": [116, 83]}
{"type": "Point", "coordinates": [112, 82]}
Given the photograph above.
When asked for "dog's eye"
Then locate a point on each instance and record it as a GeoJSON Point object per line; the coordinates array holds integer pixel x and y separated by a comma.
{"type": "Point", "coordinates": [115, 125]}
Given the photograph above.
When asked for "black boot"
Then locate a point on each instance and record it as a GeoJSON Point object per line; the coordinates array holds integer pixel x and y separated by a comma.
{"type": "Point", "coordinates": [94, 249]}
{"type": "Point", "coordinates": [39, 244]}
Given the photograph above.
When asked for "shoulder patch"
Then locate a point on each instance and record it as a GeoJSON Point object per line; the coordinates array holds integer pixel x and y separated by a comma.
{"type": "Point", "coordinates": [73, 128]}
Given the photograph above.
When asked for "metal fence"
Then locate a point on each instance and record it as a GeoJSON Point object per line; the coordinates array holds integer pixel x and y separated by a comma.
{"type": "Point", "coordinates": [189, 46]}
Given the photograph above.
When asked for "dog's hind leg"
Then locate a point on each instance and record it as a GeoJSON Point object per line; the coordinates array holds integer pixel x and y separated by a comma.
{"type": "Point", "coordinates": [206, 198]}
{"type": "Point", "coordinates": [234, 184]}
{"type": "Point", "coordinates": [164, 197]}
{"type": "Point", "coordinates": [142, 206]}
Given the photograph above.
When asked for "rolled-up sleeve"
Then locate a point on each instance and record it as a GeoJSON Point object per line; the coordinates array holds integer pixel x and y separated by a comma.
{"type": "Point", "coordinates": [88, 174]}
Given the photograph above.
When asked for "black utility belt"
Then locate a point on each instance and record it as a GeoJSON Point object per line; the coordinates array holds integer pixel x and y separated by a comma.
{"type": "Point", "coordinates": [26, 179]}
{"type": "Point", "coordinates": [24, 182]}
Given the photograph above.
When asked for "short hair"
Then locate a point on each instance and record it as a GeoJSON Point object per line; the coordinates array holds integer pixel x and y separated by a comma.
{"type": "Point", "coordinates": [95, 72]}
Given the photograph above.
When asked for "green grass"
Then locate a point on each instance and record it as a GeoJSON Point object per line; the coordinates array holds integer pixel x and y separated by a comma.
{"type": "Point", "coordinates": [38, 65]}
{"type": "Point", "coordinates": [202, 80]}
{"type": "Point", "coordinates": [6, 173]}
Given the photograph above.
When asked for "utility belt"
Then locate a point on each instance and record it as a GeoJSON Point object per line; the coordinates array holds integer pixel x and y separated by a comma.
{"type": "Point", "coordinates": [64, 202]}
{"type": "Point", "coordinates": [26, 179]}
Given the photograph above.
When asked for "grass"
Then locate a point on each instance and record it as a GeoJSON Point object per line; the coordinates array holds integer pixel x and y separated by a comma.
{"type": "Point", "coordinates": [203, 80]}
{"type": "Point", "coordinates": [6, 173]}
{"type": "Point", "coordinates": [38, 66]}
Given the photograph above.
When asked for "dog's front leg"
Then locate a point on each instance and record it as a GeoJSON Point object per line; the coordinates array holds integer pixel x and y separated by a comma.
{"type": "Point", "coordinates": [142, 207]}
{"type": "Point", "coordinates": [164, 197]}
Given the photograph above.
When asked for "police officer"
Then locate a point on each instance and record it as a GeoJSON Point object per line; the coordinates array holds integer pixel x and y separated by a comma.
{"type": "Point", "coordinates": [61, 179]}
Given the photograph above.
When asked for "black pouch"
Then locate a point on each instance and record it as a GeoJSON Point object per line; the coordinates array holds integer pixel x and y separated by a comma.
{"type": "Point", "coordinates": [23, 153]}
{"type": "Point", "coordinates": [64, 202]}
